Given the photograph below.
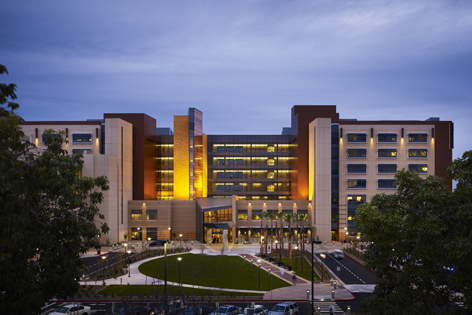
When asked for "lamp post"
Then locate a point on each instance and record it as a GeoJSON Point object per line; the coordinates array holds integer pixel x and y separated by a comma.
{"type": "Point", "coordinates": [276, 248]}
{"type": "Point", "coordinates": [149, 241]}
{"type": "Point", "coordinates": [104, 257]}
{"type": "Point", "coordinates": [296, 257]}
{"type": "Point", "coordinates": [179, 259]}
{"type": "Point", "coordinates": [323, 256]}
{"type": "Point", "coordinates": [170, 234]}
{"type": "Point", "coordinates": [129, 264]}
{"type": "Point", "coordinates": [259, 261]}
{"type": "Point", "coordinates": [180, 235]}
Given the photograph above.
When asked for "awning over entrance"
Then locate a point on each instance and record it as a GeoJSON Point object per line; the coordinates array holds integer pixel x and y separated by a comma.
{"type": "Point", "coordinates": [212, 204]}
{"type": "Point", "coordinates": [219, 225]}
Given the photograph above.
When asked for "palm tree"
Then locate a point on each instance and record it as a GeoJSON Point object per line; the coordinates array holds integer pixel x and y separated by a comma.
{"type": "Point", "coordinates": [289, 218]}
{"type": "Point", "coordinates": [302, 218]}
{"type": "Point", "coordinates": [263, 216]}
{"type": "Point", "coordinates": [271, 216]}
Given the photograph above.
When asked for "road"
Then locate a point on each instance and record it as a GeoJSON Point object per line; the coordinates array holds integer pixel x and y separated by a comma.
{"type": "Point", "coordinates": [351, 272]}
{"type": "Point", "coordinates": [93, 263]}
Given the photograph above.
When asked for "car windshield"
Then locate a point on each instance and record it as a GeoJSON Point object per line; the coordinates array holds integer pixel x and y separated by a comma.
{"type": "Point", "coordinates": [278, 308]}
{"type": "Point", "coordinates": [63, 310]}
{"type": "Point", "coordinates": [222, 310]}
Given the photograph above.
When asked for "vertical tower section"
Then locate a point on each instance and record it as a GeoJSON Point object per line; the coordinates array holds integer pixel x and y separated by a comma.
{"type": "Point", "coordinates": [195, 152]}
{"type": "Point", "coordinates": [181, 158]}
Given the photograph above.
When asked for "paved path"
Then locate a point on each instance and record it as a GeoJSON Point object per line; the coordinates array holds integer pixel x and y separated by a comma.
{"type": "Point", "coordinates": [298, 292]}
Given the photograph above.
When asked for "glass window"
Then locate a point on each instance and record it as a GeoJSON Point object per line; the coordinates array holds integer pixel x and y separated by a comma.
{"type": "Point", "coordinates": [418, 137]}
{"type": "Point", "coordinates": [229, 174]}
{"type": "Point", "coordinates": [356, 183]}
{"type": "Point", "coordinates": [387, 153]}
{"type": "Point", "coordinates": [220, 148]}
{"type": "Point", "coordinates": [386, 168]}
{"type": "Point", "coordinates": [238, 174]}
{"type": "Point", "coordinates": [238, 188]}
{"type": "Point", "coordinates": [220, 162]}
{"type": "Point", "coordinates": [270, 175]}
{"type": "Point", "coordinates": [220, 175]}
{"type": "Point", "coordinates": [270, 162]}
{"type": "Point", "coordinates": [136, 234]}
{"type": "Point", "coordinates": [81, 138]}
{"type": "Point", "coordinates": [387, 137]}
{"type": "Point", "coordinates": [356, 153]}
{"type": "Point", "coordinates": [270, 188]}
{"type": "Point", "coordinates": [238, 161]}
{"type": "Point", "coordinates": [136, 215]}
{"type": "Point", "coordinates": [356, 137]}
{"type": "Point", "coordinates": [386, 184]}
{"type": "Point", "coordinates": [229, 149]}
{"type": "Point", "coordinates": [151, 233]}
{"type": "Point", "coordinates": [357, 168]}
{"type": "Point", "coordinates": [81, 151]}
{"type": "Point", "coordinates": [229, 187]}
{"type": "Point", "coordinates": [256, 214]}
{"type": "Point", "coordinates": [220, 187]}
{"type": "Point", "coordinates": [151, 214]}
{"type": "Point", "coordinates": [238, 148]}
{"type": "Point", "coordinates": [418, 153]}
{"type": "Point", "coordinates": [242, 214]}
{"type": "Point", "coordinates": [355, 199]}
{"type": "Point", "coordinates": [418, 168]}
{"type": "Point", "coordinates": [44, 137]}
{"type": "Point", "coordinates": [229, 161]}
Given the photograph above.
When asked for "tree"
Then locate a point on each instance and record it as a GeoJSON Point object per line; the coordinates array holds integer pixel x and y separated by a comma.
{"type": "Point", "coordinates": [410, 234]}
{"type": "Point", "coordinates": [271, 216]}
{"type": "Point", "coordinates": [47, 215]}
{"type": "Point", "coordinates": [302, 218]}
{"type": "Point", "coordinates": [289, 218]}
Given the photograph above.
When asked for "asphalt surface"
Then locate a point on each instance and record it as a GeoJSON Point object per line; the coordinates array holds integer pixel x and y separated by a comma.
{"type": "Point", "coordinates": [351, 272]}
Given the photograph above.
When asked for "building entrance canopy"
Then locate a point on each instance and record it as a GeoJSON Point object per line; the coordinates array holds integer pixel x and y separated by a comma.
{"type": "Point", "coordinates": [219, 225]}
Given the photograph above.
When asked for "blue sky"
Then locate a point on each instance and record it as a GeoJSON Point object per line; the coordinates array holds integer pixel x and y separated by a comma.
{"type": "Point", "coordinates": [244, 64]}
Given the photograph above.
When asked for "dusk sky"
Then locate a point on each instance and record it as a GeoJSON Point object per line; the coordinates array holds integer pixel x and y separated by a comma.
{"type": "Point", "coordinates": [244, 64]}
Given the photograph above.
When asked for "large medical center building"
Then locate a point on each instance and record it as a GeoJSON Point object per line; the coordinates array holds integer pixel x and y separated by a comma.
{"type": "Point", "coordinates": [166, 182]}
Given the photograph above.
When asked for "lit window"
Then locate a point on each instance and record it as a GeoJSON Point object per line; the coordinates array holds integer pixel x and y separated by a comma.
{"type": "Point", "coordinates": [356, 183]}
{"type": "Point", "coordinates": [418, 168]}
{"type": "Point", "coordinates": [418, 153]}
{"type": "Point", "coordinates": [418, 137]}
{"type": "Point", "coordinates": [356, 137]}
{"type": "Point", "coordinates": [356, 153]}
{"type": "Point", "coordinates": [136, 215]}
{"type": "Point", "coordinates": [81, 151]}
{"type": "Point", "coordinates": [151, 214]}
{"type": "Point", "coordinates": [387, 137]}
{"type": "Point", "coordinates": [81, 138]}
{"type": "Point", "coordinates": [387, 153]}
{"type": "Point", "coordinates": [270, 162]}
{"type": "Point", "coordinates": [270, 188]}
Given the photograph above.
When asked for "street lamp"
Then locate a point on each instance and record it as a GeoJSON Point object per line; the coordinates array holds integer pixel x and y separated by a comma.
{"type": "Point", "coordinates": [180, 235]}
{"type": "Point", "coordinates": [179, 259]}
{"type": "Point", "coordinates": [296, 257]}
{"type": "Point", "coordinates": [323, 256]}
{"type": "Point", "coordinates": [259, 261]}
{"type": "Point", "coordinates": [129, 265]}
{"type": "Point", "coordinates": [276, 248]}
{"type": "Point", "coordinates": [104, 257]}
{"type": "Point", "coordinates": [170, 234]}
{"type": "Point", "coordinates": [149, 241]}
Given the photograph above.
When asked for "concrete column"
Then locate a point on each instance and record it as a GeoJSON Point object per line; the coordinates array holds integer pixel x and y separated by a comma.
{"type": "Point", "coordinates": [225, 239]}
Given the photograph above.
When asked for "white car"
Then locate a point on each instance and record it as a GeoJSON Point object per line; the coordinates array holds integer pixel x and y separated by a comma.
{"type": "Point", "coordinates": [256, 310]}
{"type": "Point", "coordinates": [226, 310]}
{"type": "Point", "coordinates": [72, 309]}
{"type": "Point", "coordinates": [285, 308]}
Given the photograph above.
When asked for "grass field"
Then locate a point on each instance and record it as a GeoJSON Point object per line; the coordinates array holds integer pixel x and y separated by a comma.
{"type": "Point", "coordinates": [230, 272]}
{"type": "Point", "coordinates": [158, 290]}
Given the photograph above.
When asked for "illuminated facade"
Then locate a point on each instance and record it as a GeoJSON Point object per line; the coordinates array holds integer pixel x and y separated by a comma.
{"type": "Point", "coordinates": [216, 187]}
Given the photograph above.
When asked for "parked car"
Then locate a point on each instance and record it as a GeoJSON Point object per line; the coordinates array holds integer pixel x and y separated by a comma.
{"type": "Point", "coordinates": [255, 310]}
{"type": "Point", "coordinates": [158, 243]}
{"type": "Point", "coordinates": [285, 308]}
{"type": "Point", "coordinates": [226, 310]}
{"type": "Point", "coordinates": [203, 309]}
{"type": "Point", "coordinates": [72, 309]}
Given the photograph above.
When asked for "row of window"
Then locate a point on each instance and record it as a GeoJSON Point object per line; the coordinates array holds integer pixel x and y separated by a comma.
{"type": "Point", "coordinates": [362, 184]}
{"type": "Point", "coordinates": [386, 168]}
{"type": "Point", "coordinates": [387, 138]}
{"type": "Point", "coordinates": [387, 153]}
{"type": "Point", "coordinates": [256, 214]}
{"type": "Point", "coordinates": [255, 148]}
{"type": "Point", "coordinates": [230, 187]}
{"type": "Point", "coordinates": [76, 137]}
{"type": "Point", "coordinates": [138, 215]}
{"type": "Point", "coordinates": [256, 174]}
{"type": "Point", "coordinates": [256, 161]}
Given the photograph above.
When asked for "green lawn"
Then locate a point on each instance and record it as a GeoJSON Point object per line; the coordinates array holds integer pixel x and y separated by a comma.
{"type": "Point", "coordinates": [230, 272]}
{"type": "Point", "coordinates": [158, 290]}
{"type": "Point", "coordinates": [296, 267]}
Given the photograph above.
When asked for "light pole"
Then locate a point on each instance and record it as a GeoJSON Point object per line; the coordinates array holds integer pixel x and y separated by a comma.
{"type": "Point", "coordinates": [149, 241]}
{"type": "Point", "coordinates": [170, 234]}
{"type": "Point", "coordinates": [104, 257]}
{"type": "Point", "coordinates": [323, 256]}
{"type": "Point", "coordinates": [276, 248]}
{"type": "Point", "coordinates": [129, 263]}
{"type": "Point", "coordinates": [259, 261]}
{"type": "Point", "coordinates": [179, 259]}
{"type": "Point", "coordinates": [180, 235]}
{"type": "Point", "coordinates": [296, 257]}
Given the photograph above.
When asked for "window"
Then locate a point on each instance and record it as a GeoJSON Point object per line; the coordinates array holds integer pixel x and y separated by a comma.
{"type": "Point", "coordinates": [387, 137]}
{"type": "Point", "coordinates": [136, 234]}
{"type": "Point", "coordinates": [256, 214]}
{"type": "Point", "coordinates": [151, 214]}
{"type": "Point", "coordinates": [419, 168]}
{"type": "Point", "coordinates": [417, 153]}
{"type": "Point", "coordinates": [220, 187]}
{"type": "Point", "coordinates": [44, 137]}
{"type": "Point", "coordinates": [357, 168]}
{"type": "Point", "coordinates": [220, 148]}
{"type": "Point", "coordinates": [151, 233]}
{"type": "Point", "coordinates": [386, 184]}
{"type": "Point", "coordinates": [356, 137]}
{"type": "Point", "coordinates": [238, 187]}
{"type": "Point", "coordinates": [270, 162]}
{"type": "Point", "coordinates": [220, 175]}
{"type": "Point", "coordinates": [229, 187]}
{"type": "Point", "coordinates": [242, 214]}
{"type": "Point", "coordinates": [136, 215]}
{"type": "Point", "coordinates": [238, 174]}
{"type": "Point", "coordinates": [356, 153]}
{"type": "Point", "coordinates": [229, 174]}
{"type": "Point", "coordinates": [238, 161]}
{"type": "Point", "coordinates": [418, 137]}
{"type": "Point", "coordinates": [387, 153]}
{"type": "Point", "coordinates": [270, 188]}
{"type": "Point", "coordinates": [356, 183]}
{"type": "Point", "coordinates": [81, 138]}
{"type": "Point", "coordinates": [270, 175]}
{"type": "Point", "coordinates": [81, 151]}
{"type": "Point", "coordinates": [230, 149]}
{"type": "Point", "coordinates": [229, 161]}
{"type": "Point", "coordinates": [238, 148]}
{"type": "Point", "coordinates": [386, 168]}
{"type": "Point", "coordinates": [220, 162]}
{"type": "Point", "coordinates": [355, 199]}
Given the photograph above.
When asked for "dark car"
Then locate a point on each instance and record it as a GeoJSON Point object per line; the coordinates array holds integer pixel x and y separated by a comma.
{"type": "Point", "coordinates": [158, 243]}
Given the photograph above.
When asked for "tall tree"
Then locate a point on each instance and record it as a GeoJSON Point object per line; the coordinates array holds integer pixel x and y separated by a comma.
{"type": "Point", "coordinates": [47, 215]}
{"type": "Point", "coordinates": [409, 232]}
{"type": "Point", "coordinates": [301, 219]}
{"type": "Point", "coordinates": [289, 219]}
{"type": "Point", "coordinates": [271, 216]}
